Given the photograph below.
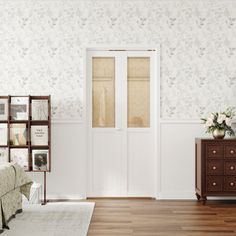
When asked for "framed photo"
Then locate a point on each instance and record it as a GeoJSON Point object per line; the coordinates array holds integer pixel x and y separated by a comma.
{"type": "Point", "coordinates": [4, 155]}
{"type": "Point", "coordinates": [3, 108]}
{"type": "Point", "coordinates": [39, 135]}
{"type": "Point", "coordinates": [18, 134]}
{"type": "Point", "coordinates": [3, 134]}
{"type": "Point", "coordinates": [19, 108]}
{"type": "Point", "coordinates": [40, 160]}
{"type": "Point", "coordinates": [20, 156]}
{"type": "Point", "coordinates": [39, 109]}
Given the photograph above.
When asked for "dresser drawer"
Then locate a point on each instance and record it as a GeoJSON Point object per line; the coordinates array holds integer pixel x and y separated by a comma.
{"type": "Point", "coordinates": [230, 151]}
{"type": "Point", "coordinates": [230, 168]}
{"type": "Point", "coordinates": [230, 183]}
{"type": "Point", "coordinates": [214, 183]}
{"type": "Point", "coordinates": [214, 167]}
{"type": "Point", "coordinates": [214, 151]}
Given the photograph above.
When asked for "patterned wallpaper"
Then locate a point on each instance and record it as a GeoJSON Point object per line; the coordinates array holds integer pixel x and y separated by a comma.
{"type": "Point", "coordinates": [42, 43]}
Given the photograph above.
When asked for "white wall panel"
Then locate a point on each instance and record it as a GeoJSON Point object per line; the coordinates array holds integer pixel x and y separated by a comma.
{"type": "Point", "coordinates": [178, 159]}
{"type": "Point", "coordinates": [69, 171]}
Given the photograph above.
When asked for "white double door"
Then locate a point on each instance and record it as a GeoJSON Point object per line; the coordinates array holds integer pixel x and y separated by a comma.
{"type": "Point", "coordinates": [121, 123]}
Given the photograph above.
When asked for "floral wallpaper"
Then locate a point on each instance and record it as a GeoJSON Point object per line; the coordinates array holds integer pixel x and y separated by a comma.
{"type": "Point", "coordinates": [42, 45]}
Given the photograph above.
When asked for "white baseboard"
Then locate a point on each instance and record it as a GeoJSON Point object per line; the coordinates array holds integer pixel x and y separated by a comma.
{"type": "Point", "coordinates": [65, 197]}
{"type": "Point", "coordinates": [177, 195]}
{"type": "Point", "coordinates": [187, 196]}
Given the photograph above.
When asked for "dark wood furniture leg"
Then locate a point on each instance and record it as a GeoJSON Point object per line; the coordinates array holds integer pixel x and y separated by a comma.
{"type": "Point", "coordinates": [44, 188]}
{"type": "Point", "coordinates": [203, 200]}
{"type": "Point", "coordinates": [198, 196]}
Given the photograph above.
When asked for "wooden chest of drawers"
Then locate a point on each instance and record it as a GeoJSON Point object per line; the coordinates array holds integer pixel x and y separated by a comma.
{"type": "Point", "coordinates": [215, 163]}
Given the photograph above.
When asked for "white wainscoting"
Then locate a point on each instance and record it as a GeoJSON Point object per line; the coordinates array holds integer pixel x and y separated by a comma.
{"type": "Point", "coordinates": [68, 177]}
{"type": "Point", "coordinates": [69, 170]}
{"type": "Point", "coordinates": [177, 164]}
{"type": "Point", "coordinates": [177, 153]}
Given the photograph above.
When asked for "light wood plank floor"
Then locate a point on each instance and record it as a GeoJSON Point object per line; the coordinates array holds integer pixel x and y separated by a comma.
{"type": "Point", "coordinates": [163, 218]}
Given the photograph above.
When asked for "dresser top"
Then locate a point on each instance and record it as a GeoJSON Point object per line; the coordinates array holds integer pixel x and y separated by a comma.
{"type": "Point", "coordinates": [217, 140]}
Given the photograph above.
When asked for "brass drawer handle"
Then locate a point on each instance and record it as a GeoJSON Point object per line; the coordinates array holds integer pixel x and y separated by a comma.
{"type": "Point", "coordinates": [231, 184]}
{"type": "Point", "coordinates": [214, 167]}
{"type": "Point", "coordinates": [214, 184]}
{"type": "Point", "coordinates": [231, 167]}
{"type": "Point", "coordinates": [232, 151]}
{"type": "Point", "coordinates": [214, 151]}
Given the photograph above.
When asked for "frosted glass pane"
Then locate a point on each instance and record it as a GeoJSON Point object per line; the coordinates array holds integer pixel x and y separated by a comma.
{"type": "Point", "coordinates": [103, 91]}
{"type": "Point", "coordinates": [138, 92]}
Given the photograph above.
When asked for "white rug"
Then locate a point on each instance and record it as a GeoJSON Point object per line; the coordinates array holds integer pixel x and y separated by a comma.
{"type": "Point", "coordinates": [54, 219]}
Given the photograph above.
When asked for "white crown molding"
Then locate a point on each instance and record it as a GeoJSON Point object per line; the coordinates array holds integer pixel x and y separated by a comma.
{"type": "Point", "coordinates": [180, 121]}
{"type": "Point", "coordinates": [162, 121]}
{"type": "Point", "coordinates": [64, 121]}
{"type": "Point", "coordinates": [184, 121]}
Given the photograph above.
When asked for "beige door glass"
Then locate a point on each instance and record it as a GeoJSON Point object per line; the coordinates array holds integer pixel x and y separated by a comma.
{"type": "Point", "coordinates": [103, 76]}
{"type": "Point", "coordinates": [138, 92]}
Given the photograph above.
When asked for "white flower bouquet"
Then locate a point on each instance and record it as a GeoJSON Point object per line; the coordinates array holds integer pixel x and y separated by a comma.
{"type": "Point", "coordinates": [220, 121]}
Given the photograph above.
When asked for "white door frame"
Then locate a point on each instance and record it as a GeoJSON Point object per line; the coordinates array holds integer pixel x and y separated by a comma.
{"type": "Point", "coordinates": [157, 126]}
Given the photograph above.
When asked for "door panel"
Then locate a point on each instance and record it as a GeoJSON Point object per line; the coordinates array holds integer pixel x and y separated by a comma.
{"type": "Point", "coordinates": [140, 125]}
{"type": "Point", "coordinates": [107, 165]}
{"type": "Point", "coordinates": [141, 167]}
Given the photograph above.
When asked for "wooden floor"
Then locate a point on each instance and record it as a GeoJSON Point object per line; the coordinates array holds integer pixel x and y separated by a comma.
{"type": "Point", "coordinates": [163, 218]}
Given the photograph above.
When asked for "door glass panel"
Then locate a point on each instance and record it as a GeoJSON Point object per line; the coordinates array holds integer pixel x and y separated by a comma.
{"type": "Point", "coordinates": [138, 92]}
{"type": "Point", "coordinates": [103, 91]}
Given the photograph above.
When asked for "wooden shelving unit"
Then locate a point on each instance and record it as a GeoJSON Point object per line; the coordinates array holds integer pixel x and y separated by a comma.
{"type": "Point", "coordinates": [29, 123]}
